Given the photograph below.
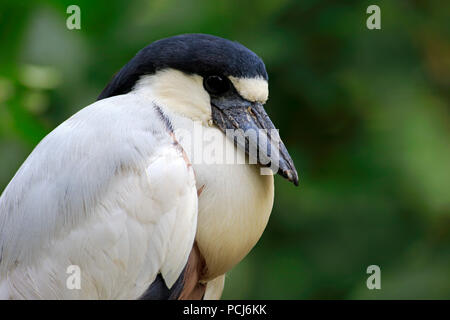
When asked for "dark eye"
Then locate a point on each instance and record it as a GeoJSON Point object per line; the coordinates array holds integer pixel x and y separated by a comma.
{"type": "Point", "coordinates": [216, 84]}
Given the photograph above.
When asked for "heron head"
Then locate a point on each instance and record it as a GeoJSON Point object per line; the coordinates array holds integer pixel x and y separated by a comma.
{"type": "Point", "coordinates": [210, 80]}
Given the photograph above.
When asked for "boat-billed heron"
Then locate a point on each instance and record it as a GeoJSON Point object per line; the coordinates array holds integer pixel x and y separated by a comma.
{"type": "Point", "coordinates": [154, 191]}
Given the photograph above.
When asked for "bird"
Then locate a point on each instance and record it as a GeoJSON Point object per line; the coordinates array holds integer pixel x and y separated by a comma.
{"type": "Point", "coordinates": [119, 191]}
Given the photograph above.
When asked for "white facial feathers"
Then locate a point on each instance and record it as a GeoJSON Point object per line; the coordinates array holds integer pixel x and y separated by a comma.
{"type": "Point", "coordinates": [252, 89]}
{"type": "Point", "coordinates": [185, 95]}
{"type": "Point", "coordinates": [179, 92]}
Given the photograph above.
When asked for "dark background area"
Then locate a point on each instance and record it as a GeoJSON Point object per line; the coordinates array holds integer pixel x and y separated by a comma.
{"type": "Point", "coordinates": [364, 114]}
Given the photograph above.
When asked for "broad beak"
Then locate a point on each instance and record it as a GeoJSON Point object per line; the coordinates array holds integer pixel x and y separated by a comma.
{"type": "Point", "coordinates": [248, 124]}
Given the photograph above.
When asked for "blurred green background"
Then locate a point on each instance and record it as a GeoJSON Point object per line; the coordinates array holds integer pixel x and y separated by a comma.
{"type": "Point", "coordinates": [364, 113]}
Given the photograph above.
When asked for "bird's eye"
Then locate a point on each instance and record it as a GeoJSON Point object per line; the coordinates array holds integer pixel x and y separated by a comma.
{"type": "Point", "coordinates": [216, 84]}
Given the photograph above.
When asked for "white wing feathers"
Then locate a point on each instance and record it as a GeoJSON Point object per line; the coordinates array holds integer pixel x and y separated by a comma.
{"type": "Point", "coordinates": [168, 189]}
{"type": "Point", "coordinates": [106, 191]}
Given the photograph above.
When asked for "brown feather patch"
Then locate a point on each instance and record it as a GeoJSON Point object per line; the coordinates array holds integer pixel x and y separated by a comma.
{"type": "Point", "coordinates": [195, 269]}
{"type": "Point", "coordinates": [199, 191]}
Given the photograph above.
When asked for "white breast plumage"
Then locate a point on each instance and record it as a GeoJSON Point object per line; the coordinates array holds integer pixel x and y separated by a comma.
{"type": "Point", "coordinates": [235, 203]}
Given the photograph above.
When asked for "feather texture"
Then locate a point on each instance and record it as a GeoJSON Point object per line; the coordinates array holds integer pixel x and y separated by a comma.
{"type": "Point", "coordinates": [107, 191]}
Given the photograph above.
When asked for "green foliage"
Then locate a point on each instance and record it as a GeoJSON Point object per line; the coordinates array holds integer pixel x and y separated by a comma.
{"type": "Point", "coordinates": [364, 114]}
